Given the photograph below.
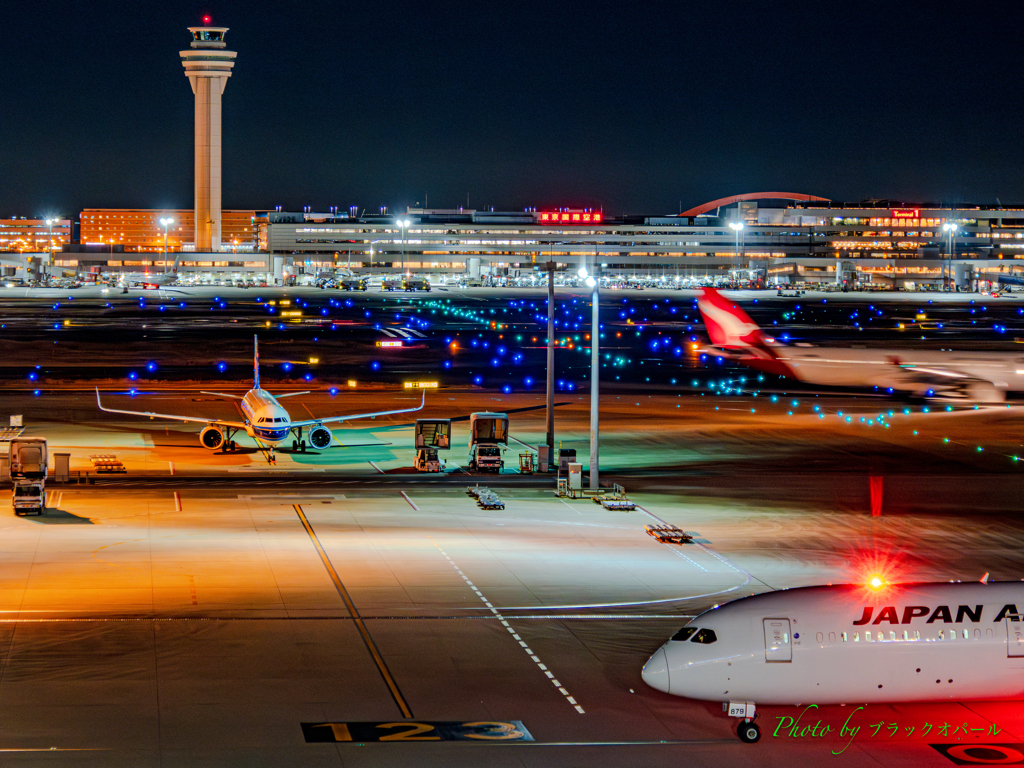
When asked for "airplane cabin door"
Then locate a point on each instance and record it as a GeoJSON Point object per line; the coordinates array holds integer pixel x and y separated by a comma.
{"type": "Point", "coordinates": [778, 645]}
{"type": "Point", "coordinates": [1014, 637]}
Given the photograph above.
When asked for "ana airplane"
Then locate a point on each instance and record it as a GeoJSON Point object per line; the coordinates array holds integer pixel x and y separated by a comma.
{"type": "Point", "coordinates": [849, 644]}
{"type": "Point", "coordinates": [974, 376]}
{"type": "Point", "coordinates": [266, 420]}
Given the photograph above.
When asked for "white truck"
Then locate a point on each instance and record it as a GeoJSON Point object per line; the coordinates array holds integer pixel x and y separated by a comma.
{"type": "Point", "coordinates": [487, 433]}
{"type": "Point", "coordinates": [28, 463]}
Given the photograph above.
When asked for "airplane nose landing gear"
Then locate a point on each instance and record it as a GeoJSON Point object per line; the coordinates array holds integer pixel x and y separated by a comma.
{"type": "Point", "coordinates": [748, 732]}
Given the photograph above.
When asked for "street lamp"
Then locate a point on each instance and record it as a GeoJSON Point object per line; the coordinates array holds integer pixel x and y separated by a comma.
{"type": "Point", "coordinates": [49, 224]}
{"type": "Point", "coordinates": [166, 222]}
{"type": "Point", "coordinates": [950, 229]}
{"type": "Point", "coordinates": [402, 224]}
{"type": "Point", "coordinates": [595, 373]}
{"type": "Point", "coordinates": [737, 227]}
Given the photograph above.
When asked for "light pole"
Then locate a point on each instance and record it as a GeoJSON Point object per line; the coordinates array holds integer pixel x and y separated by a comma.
{"type": "Point", "coordinates": [950, 229]}
{"type": "Point", "coordinates": [49, 225]}
{"type": "Point", "coordinates": [402, 224]}
{"type": "Point", "coordinates": [550, 416]}
{"type": "Point", "coordinates": [737, 227]}
{"type": "Point", "coordinates": [595, 375]}
{"type": "Point", "coordinates": [166, 222]}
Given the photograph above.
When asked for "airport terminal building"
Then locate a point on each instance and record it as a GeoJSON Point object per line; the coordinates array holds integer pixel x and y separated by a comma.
{"type": "Point", "coordinates": [782, 238]}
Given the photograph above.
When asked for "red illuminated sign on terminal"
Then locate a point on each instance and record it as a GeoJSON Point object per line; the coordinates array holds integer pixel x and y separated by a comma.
{"type": "Point", "coordinates": [570, 217]}
{"type": "Point", "coordinates": [907, 213]}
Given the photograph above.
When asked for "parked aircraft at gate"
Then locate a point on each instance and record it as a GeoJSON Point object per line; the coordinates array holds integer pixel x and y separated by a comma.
{"type": "Point", "coordinates": [972, 376]}
{"type": "Point", "coordinates": [849, 644]}
{"type": "Point", "coordinates": [266, 420]}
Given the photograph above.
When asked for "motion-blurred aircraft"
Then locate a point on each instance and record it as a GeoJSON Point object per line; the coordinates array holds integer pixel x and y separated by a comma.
{"type": "Point", "coordinates": [983, 377]}
{"type": "Point", "coordinates": [266, 420]}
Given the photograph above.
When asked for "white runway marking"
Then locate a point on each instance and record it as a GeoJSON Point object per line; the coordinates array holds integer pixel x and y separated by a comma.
{"type": "Point", "coordinates": [411, 502]}
{"type": "Point", "coordinates": [529, 652]}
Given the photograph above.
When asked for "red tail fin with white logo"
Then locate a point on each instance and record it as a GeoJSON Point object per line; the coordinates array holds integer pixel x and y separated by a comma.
{"type": "Point", "coordinates": [728, 326]}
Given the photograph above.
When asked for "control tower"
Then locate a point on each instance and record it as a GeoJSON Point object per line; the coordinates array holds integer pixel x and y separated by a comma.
{"type": "Point", "coordinates": [208, 67]}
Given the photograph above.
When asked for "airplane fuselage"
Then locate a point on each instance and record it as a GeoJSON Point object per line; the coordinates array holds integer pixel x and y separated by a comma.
{"type": "Point", "coordinates": [844, 644]}
{"type": "Point", "coordinates": [885, 368]}
{"type": "Point", "coordinates": [267, 419]}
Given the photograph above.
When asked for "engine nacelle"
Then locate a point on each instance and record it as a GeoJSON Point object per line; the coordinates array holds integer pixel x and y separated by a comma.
{"type": "Point", "coordinates": [320, 437]}
{"type": "Point", "coordinates": [984, 392]}
{"type": "Point", "coordinates": [211, 437]}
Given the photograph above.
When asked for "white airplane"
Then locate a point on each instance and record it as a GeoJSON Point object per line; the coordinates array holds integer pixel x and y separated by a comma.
{"type": "Point", "coordinates": [152, 280]}
{"type": "Point", "coordinates": [973, 376]}
{"type": "Point", "coordinates": [849, 644]}
{"type": "Point", "coordinates": [266, 420]}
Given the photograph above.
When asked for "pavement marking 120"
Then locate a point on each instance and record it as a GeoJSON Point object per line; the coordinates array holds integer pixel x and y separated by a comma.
{"type": "Point", "coordinates": [364, 633]}
{"type": "Point", "coordinates": [526, 648]}
{"type": "Point", "coordinates": [407, 731]}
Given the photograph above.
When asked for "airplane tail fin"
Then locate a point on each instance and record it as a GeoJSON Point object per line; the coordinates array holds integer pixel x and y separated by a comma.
{"type": "Point", "coordinates": [728, 325]}
{"type": "Point", "coordinates": [255, 362]}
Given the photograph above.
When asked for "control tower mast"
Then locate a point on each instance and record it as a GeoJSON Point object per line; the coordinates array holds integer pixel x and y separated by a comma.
{"type": "Point", "coordinates": [208, 67]}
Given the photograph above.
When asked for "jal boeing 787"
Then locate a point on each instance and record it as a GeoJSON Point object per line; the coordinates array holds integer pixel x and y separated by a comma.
{"type": "Point", "coordinates": [849, 644]}
{"type": "Point", "coordinates": [973, 376]}
{"type": "Point", "coordinates": [265, 419]}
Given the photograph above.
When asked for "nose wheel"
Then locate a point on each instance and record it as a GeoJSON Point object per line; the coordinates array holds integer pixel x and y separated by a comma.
{"type": "Point", "coordinates": [748, 732]}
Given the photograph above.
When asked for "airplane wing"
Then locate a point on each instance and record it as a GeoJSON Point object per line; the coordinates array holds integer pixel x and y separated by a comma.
{"type": "Point", "coordinates": [219, 422]}
{"type": "Point", "coordinates": [221, 394]}
{"type": "Point", "coordinates": [290, 394]}
{"type": "Point", "coordinates": [335, 419]}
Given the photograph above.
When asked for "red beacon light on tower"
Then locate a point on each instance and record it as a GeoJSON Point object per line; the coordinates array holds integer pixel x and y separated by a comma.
{"type": "Point", "coordinates": [568, 216]}
{"type": "Point", "coordinates": [206, 19]}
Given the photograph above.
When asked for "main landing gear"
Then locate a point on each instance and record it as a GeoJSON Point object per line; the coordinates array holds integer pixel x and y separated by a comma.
{"type": "Point", "coordinates": [299, 446]}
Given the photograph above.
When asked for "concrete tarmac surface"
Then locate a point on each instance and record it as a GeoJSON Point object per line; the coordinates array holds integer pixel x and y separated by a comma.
{"type": "Point", "coordinates": [200, 608]}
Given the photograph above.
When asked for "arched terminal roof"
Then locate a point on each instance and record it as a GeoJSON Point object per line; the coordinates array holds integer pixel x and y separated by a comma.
{"type": "Point", "coordinates": [721, 202]}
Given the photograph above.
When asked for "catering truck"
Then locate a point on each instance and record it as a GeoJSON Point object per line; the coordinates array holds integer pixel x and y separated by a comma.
{"type": "Point", "coordinates": [432, 435]}
{"type": "Point", "coordinates": [27, 460]}
{"type": "Point", "coordinates": [488, 432]}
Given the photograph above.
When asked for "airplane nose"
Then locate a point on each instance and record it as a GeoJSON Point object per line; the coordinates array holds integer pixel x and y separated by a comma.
{"type": "Point", "coordinates": [655, 672]}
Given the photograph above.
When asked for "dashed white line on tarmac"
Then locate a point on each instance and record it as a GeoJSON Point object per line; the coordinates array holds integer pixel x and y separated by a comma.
{"type": "Point", "coordinates": [529, 652]}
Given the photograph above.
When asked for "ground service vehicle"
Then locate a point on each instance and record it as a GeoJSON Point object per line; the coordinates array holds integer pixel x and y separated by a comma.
{"type": "Point", "coordinates": [487, 433]}
{"type": "Point", "coordinates": [415, 284]}
{"type": "Point", "coordinates": [352, 283]}
{"type": "Point", "coordinates": [28, 464]}
{"type": "Point", "coordinates": [432, 435]}
{"type": "Point", "coordinates": [29, 497]}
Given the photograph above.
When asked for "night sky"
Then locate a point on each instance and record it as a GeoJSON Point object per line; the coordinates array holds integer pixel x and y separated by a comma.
{"type": "Point", "coordinates": [633, 107]}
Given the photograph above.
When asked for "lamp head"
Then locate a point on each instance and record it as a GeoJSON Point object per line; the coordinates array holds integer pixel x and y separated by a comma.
{"type": "Point", "coordinates": [582, 272]}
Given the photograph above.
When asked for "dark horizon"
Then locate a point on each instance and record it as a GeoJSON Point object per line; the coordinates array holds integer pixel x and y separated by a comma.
{"type": "Point", "coordinates": [649, 111]}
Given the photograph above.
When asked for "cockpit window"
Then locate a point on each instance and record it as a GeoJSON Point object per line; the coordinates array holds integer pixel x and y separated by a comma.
{"type": "Point", "coordinates": [705, 636]}
{"type": "Point", "coordinates": [684, 634]}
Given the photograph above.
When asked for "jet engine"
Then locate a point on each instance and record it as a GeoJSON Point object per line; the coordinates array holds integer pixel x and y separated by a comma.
{"type": "Point", "coordinates": [211, 437]}
{"type": "Point", "coordinates": [320, 437]}
{"type": "Point", "coordinates": [984, 392]}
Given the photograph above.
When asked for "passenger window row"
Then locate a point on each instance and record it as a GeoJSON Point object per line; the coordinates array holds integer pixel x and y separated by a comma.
{"type": "Point", "coordinates": [908, 635]}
